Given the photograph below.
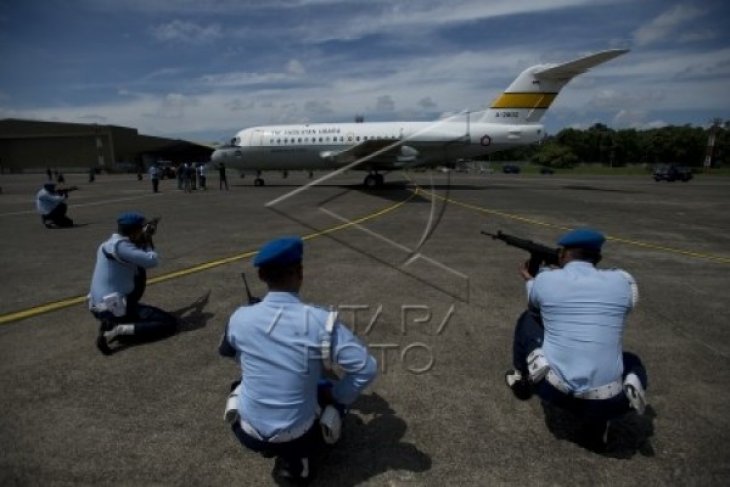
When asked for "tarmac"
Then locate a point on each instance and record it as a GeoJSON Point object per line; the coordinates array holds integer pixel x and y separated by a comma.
{"type": "Point", "coordinates": [435, 300]}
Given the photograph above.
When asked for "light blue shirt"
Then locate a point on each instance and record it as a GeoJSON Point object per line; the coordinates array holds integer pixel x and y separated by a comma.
{"type": "Point", "coordinates": [584, 312]}
{"type": "Point", "coordinates": [117, 260]}
{"type": "Point", "coordinates": [278, 345]}
{"type": "Point", "coordinates": [46, 202]}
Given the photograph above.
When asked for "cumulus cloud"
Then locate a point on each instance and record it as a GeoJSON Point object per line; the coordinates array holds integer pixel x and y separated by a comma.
{"type": "Point", "coordinates": [187, 32]}
{"type": "Point", "coordinates": [666, 24]}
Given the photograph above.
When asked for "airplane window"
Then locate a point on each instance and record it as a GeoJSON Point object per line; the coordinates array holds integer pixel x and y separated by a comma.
{"type": "Point", "coordinates": [328, 139]}
{"type": "Point", "coordinates": [320, 139]}
{"type": "Point", "coordinates": [299, 140]}
{"type": "Point", "coordinates": [342, 139]}
{"type": "Point", "coordinates": [278, 141]}
{"type": "Point", "coordinates": [271, 141]}
{"type": "Point", "coordinates": [357, 138]}
{"type": "Point", "coordinates": [365, 138]}
{"type": "Point", "coordinates": [349, 138]}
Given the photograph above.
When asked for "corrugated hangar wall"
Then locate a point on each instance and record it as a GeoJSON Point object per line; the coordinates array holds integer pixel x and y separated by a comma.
{"type": "Point", "coordinates": [34, 146]}
{"type": "Point", "coordinates": [51, 152]}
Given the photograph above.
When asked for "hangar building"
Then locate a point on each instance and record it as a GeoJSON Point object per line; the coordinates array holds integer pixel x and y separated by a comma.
{"type": "Point", "coordinates": [34, 146]}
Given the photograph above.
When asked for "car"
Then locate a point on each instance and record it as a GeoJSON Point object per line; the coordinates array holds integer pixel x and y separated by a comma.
{"type": "Point", "coordinates": [546, 170]}
{"type": "Point", "coordinates": [672, 173]}
{"type": "Point", "coordinates": [511, 169]}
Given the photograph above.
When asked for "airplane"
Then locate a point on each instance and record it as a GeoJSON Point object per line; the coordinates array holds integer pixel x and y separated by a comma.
{"type": "Point", "coordinates": [511, 120]}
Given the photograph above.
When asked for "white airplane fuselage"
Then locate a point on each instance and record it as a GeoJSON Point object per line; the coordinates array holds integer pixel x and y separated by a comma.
{"type": "Point", "coordinates": [305, 147]}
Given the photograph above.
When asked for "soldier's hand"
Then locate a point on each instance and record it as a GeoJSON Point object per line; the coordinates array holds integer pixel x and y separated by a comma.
{"type": "Point", "coordinates": [524, 272]}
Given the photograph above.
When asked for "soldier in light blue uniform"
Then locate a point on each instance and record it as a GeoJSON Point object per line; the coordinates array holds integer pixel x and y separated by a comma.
{"type": "Point", "coordinates": [283, 347]}
{"type": "Point", "coordinates": [118, 283]}
{"type": "Point", "coordinates": [568, 344]}
{"type": "Point", "coordinates": [51, 205]}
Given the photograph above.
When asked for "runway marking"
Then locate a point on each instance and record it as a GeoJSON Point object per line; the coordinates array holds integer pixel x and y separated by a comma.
{"type": "Point", "coordinates": [81, 205]}
{"type": "Point", "coordinates": [532, 221]}
{"type": "Point", "coordinates": [65, 303]}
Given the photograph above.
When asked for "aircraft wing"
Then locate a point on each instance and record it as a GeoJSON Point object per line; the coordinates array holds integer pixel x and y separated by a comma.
{"type": "Point", "coordinates": [374, 154]}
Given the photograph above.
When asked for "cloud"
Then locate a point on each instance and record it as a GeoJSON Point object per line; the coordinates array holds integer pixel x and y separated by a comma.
{"type": "Point", "coordinates": [295, 67]}
{"type": "Point", "coordinates": [318, 107]}
{"type": "Point", "coordinates": [237, 79]}
{"type": "Point", "coordinates": [629, 118]}
{"type": "Point", "coordinates": [293, 71]}
{"type": "Point", "coordinates": [237, 105]}
{"type": "Point", "coordinates": [186, 32]}
{"type": "Point", "coordinates": [90, 118]}
{"type": "Point", "coordinates": [173, 106]}
{"type": "Point", "coordinates": [663, 26]}
{"type": "Point", "coordinates": [427, 103]}
{"type": "Point", "coordinates": [385, 103]}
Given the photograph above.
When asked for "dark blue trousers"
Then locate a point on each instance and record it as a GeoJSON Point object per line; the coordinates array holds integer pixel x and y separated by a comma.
{"type": "Point", "coordinates": [150, 323]}
{"type": "Point", "coordinates": [529, 334]}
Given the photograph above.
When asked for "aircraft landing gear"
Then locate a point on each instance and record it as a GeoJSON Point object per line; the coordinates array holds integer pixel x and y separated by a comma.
{"type": "Point", "coordinates": [258, 182]}
{"type": "Point", "coordinates": [374, 180]}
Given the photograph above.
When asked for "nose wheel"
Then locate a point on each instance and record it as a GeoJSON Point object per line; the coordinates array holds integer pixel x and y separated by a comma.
{"type": "Point", "coordinates": [374, 180]}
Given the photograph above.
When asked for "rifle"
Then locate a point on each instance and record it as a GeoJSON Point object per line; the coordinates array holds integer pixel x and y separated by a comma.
{"type": "Point", "coordinates": [150, 228]}
{"type": "Point", "coordinates": [66, 191]}
{"type": "Point", "coordinates": [251, 299]}
{"type": "Point", "coordinates": [539, 254]}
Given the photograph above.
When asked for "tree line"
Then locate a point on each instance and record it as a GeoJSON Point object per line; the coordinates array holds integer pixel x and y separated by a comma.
{"type": "Point", "coordinates": [685, 145]}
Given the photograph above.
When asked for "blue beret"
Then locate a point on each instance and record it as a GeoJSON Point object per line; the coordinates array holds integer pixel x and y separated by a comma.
{"type": "Point", "coordinates": [131, 218]}
{"type": "Point", "coordinates": [585, 238]}
{"type": "Point", "coordinates": [281, 252]}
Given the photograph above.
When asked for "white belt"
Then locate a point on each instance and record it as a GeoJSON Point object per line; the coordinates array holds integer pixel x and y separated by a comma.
{"type": "Point", "coordinates": [282, 436]}
{"type": "Point", "coordinates": [607, 391]}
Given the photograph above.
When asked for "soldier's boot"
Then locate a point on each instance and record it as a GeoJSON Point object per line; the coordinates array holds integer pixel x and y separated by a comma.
{"type": "Point", "coordinates": [519, 384]}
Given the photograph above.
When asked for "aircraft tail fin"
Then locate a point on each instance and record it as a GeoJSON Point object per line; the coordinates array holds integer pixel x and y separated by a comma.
{"type": "Point", "coordinates": [533, 91]}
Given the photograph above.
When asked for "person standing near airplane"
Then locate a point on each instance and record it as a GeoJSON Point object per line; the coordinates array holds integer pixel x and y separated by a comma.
{"type": "Point", "coordinates": [568, 345]}
{"type": "Point", "coordinates": [222, 179]}
{"type": "Point", "coordinates": [155, 177]}
{"type": "Point", "coordinates": [201, 176]}
{"type": "Point", "coordinates": [284, 408]}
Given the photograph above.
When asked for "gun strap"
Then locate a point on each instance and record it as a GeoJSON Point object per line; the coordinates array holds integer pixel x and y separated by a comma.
{"type": "Point", "coordinates": [326, 346]}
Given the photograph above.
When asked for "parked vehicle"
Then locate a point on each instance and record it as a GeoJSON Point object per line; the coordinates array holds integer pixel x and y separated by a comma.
{"type": "Point", "coordinates": [546, 170]}
{"type": "Point", "coordinates": [672, 173]}
{"type": "Point", "coordinates": [511, 169]}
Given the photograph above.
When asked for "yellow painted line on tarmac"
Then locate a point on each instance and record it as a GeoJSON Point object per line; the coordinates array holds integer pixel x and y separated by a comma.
{"type": "Point", "coordinates": [532, 221]}
{"type": "Point", "coordinates": [65, 303]}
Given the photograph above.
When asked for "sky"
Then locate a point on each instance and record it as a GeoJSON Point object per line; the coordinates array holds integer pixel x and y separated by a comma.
{"type": "Point", "coordinates": [203, 69]}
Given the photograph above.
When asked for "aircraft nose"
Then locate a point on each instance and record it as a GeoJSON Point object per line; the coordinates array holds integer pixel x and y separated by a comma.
{"type": "Point", "coordinates": [217, 156]}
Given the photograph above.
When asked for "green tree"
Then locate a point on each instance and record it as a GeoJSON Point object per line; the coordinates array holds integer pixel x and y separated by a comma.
{"type": "Point", "coordinates": [555, 155]}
